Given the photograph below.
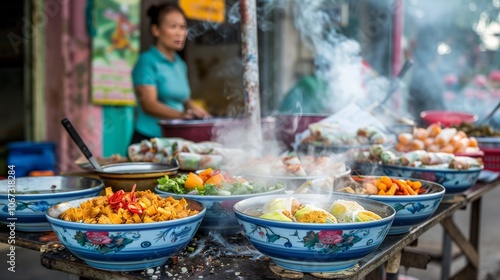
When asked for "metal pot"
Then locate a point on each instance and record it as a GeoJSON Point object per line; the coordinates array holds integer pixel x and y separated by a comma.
{"type": "Point", "coordinates": [203, 130]}
{"type": "Point", "coordinates": [123, 176]}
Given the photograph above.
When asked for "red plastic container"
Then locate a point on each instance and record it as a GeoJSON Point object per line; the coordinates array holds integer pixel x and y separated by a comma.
{"type": "Point", "coordinates": [447, 118]}
{"type": "Point", "coordinates": [491, 148]}
{"type": "Point", "coordinates": [491, 159]}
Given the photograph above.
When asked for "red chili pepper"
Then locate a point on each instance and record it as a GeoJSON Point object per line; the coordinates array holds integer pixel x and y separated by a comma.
{"type": "Point", "coordinates": [134, 207]}
{"type": "Point", "coordinates": [116, 198]}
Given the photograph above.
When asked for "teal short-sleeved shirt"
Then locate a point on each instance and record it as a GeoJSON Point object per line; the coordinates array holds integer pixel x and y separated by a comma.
{"type": "Point", "coordinates": [171, 81]}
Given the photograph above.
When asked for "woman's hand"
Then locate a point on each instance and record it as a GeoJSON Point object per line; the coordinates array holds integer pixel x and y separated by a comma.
{"type": "Point", "coordinates": [197, 112]}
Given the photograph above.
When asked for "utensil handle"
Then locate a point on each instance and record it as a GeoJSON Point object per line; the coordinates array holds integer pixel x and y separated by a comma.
{"type": "Point", "coordinates": [76, 138]}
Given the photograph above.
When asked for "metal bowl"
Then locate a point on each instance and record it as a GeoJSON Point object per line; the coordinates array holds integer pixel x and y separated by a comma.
{"type": "Point", "coordinates": [123, 176]}
{"type": "Point", "coordinates": [32, 196]}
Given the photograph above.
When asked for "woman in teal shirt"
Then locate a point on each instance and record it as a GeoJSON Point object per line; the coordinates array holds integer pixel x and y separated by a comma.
{"type": "Point", "coordinates": [160, 75]}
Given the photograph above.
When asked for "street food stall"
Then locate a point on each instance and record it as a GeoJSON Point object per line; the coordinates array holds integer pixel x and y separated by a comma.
{"type": "Point", "coordinates": [345, 193]}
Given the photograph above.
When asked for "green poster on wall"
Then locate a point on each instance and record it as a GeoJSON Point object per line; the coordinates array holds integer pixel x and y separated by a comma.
{"type": "Point", "coordinates": [115, 49]}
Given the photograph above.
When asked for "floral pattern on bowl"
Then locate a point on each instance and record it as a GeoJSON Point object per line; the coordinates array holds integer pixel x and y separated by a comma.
{"type": "Point", "coordinates": [124, 247]}
{"type": "Point", "coordinates": [454, 181]}
{"type": "Point", "coordinates": [411, 210]}
{"type": "Point", "coordinates": [309, 247]}
{"type": "Point", "coordinates": [33, 196]}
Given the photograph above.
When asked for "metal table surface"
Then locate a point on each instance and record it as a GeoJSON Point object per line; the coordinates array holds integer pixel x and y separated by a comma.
{"type": "Point", "coordinates": [231, 265]}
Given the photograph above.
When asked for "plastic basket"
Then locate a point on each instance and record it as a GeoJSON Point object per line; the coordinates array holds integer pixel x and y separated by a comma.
{"type": "Point", "coordinates": [491, 159]}
{"type": "Point", "coordinates": [491, 148]}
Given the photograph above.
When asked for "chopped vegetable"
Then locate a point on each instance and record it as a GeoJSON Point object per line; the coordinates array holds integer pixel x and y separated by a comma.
{"type": "Point", "coordinates": [193, 181]}
{"type": "Point", "coordinates": [217, 186]}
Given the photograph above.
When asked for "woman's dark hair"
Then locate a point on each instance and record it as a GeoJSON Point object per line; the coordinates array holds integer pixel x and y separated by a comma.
{"type": "Point", "coordinates": [156, 12]}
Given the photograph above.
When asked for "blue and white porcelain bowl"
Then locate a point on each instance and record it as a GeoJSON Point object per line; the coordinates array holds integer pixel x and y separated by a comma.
{"type": "Point", "coordinates": [124, 247]}
{"type": "Point", "coordinates": [25, 200]}
{"type": "Point", "coordinates": [312, 247]}
{"type": "Point", "coordinates": [454, 181]}
{"type": "Point", "coordinates": [220, 215]}
{"type": "Point", "coordinates": [411, 210]}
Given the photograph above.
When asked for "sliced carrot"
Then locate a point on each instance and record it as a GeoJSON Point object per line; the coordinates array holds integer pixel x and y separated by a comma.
{"type": "Point", "coordinates": [216, 180]}
{"type": "Point", "coordinates": [381, 186]}
{"type": "Point", "coordinates": [386, 180]}
{"type": "Point", "coordinates": [205, 174]}
{"type": "Point", "coordinates": [392, 190]}
{"type": "Point", "coordinates": [193, 181]}
{"type": "Point", "coordinates": [404, 191]}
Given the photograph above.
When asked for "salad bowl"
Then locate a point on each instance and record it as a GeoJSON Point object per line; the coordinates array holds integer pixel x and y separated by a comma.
{"type": "Point", "coordinates": [218, 200]}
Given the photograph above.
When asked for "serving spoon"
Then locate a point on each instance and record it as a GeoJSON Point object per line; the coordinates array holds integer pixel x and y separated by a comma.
{"type": "Point", "coordinates": [81, 145]}
{"type": "Point", "coordinates": [490, 115]}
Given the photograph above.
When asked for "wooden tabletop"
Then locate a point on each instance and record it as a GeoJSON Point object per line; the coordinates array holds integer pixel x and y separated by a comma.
{"type": "Point", "coordinates": [205, 264]}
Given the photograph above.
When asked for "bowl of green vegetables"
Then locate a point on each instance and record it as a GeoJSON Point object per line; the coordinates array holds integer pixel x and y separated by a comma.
{"type": "Point", "coordinates": [218, 191]}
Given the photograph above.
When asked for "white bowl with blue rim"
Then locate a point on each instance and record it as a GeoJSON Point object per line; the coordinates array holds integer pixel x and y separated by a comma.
{"type": "Point", "coordinates": [25, 200]}
{"type": "Point", "coordinates": [220, 214]}
{"type": "Point", "coordinates": [124, 247]}
{"type": "Point", "coordinates": [454, 181]}
{"type": "Point", "coordinates": [313, 247]}
{"type": "Point", "coordinates": [411, 210]}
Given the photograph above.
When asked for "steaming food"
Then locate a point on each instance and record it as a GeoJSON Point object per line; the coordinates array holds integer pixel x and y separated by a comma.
{"type": "Point", "coordinates": [213, 182]}
{"type": "Point", "coordinates": [278, 215]}
{"type": "Point", "coordinates": [289, 204]}
{"type": "Point", "coordinates": [331, 135]}
{"type": "Point", "coordinates": [421, 159]}
{"type": "Point", "coordinates": [127, 208]}
{"type": "Point", "coordinates": [312, 214]}
{"type": "Point", "coordinates": [291, 210]}
{"type": "Point", "coordinates": [437, 139]}
{"type": "Point", "coordinates": [382, 186]}
{"type": "Point", "coordinates": [293, 166]}
{"type": "Point", "coordinates": [347, 211]}
{"type": "Point", "coordinates": [190, 155]}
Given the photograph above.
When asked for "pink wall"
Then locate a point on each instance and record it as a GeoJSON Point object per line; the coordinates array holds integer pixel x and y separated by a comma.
{"type": "Point", "coordinates": [67, 88]}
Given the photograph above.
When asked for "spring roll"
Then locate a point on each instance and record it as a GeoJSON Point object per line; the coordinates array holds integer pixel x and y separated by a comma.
{"type": "Point", "coordinates": [376, 150]}
{"type": "Point", "coordinates": [378, 138]}
{"type": "Point", "coordinates": [134, 150]}
{"type": "Point", "coordinates": [203, 148]}
{"type": "Point", "coordinates": [158, 144]}
{"type": "Point", "coordinates": [193, 162]}
{"type": "Point", "coordinates": [388, 157]}
{"type": "Point", "coordinates": [464, 163]}
{"type": "Point", "coordinates": [437, 158]}
{"type": "Point", "coordinates": [293, 166]}
{"type": "Point", "coordinates": [320, 130]}
{"type": "Point", "coordinates": [409, 158]}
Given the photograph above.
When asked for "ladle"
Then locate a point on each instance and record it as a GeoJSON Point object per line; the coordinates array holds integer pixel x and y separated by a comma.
{"type": "Point", "coordinates": [490, 115]}
{"type": "Point", "coordinates": [79, 142]}
{"type": "Point", "coordinates": [394, 85]}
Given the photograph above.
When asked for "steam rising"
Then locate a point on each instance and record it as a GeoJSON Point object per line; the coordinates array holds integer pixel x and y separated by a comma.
{"type": "Point", "coordinates": [338, 59]}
